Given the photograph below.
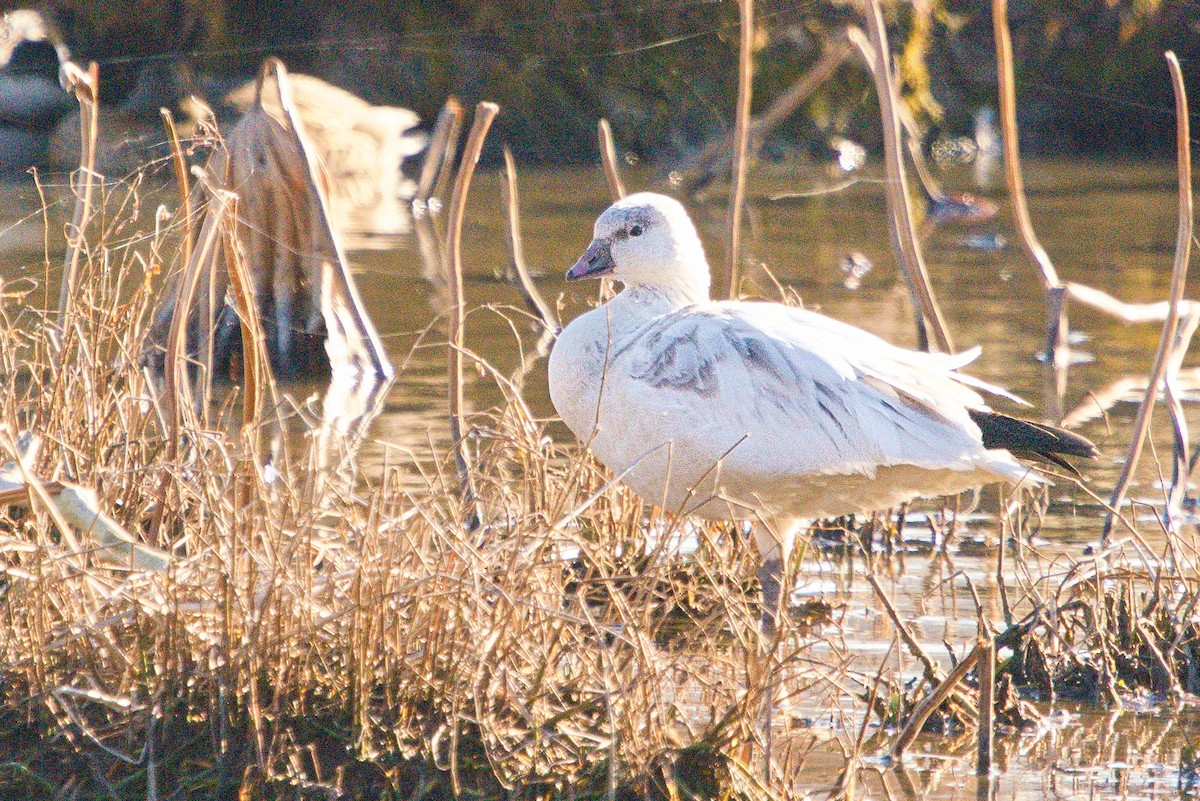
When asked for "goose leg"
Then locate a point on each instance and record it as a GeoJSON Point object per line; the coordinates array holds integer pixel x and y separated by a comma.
{"type": "Point", "coordinates": [770, 576]}
{"type": "Point", "coordinates": [774, 539]}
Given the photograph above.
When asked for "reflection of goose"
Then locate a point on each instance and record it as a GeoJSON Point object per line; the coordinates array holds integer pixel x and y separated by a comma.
{"type": "Point", "coordinates": [31, 99]}
{"type": "Point", "coordinates": [363, 147]}
{"type": "Point", "coordinates": [763, 411]}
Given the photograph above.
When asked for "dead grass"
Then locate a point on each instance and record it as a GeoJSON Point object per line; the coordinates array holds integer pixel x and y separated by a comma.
{"type": "Point", "coordinates": [334, 634]}
{"type": "Point", "coordinates": [344, 632]}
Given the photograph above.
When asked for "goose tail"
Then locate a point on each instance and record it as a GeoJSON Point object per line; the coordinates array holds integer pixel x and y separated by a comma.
{"type": "Point", "coordinates": [1029, 440]}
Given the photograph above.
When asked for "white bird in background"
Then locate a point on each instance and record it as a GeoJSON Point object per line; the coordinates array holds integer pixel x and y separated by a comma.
{"type": "Point", "coordinates": [760, 411]}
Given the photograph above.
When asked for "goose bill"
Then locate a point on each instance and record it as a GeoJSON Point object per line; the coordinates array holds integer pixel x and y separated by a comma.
{"type": "Point", "coordinates": [597, 260]}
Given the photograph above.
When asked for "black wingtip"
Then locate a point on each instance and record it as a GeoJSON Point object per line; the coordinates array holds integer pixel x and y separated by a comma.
{"type": "Point", "coordinates": [1027, 439]}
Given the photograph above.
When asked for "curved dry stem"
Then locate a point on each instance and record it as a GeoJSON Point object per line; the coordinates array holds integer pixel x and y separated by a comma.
{"type": "Point", "coordinates": [86, 87]}
{"type": "Point", "coordinates": [513, 202]}
{"type": "Point", "coordinates": [903, 230]}
{"type": "Point", "coordinates": [1183, 242]}
{"type": "Point", "coordinates": [441, 148]}
{"type": "Point", "coordinates": [741, 136]}
{"type": "Point", "coordinates": [608, 158]}
{"type": "Point", "coordinates": [484, 114]}
{"type": "Point", "coordinates": [181, 180]}
{"type": "Point", "coordinates": [1012, 147]}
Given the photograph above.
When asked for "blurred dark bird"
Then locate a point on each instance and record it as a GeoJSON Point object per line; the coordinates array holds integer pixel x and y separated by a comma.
{"type": "Point", "coordinates": [32, 101]}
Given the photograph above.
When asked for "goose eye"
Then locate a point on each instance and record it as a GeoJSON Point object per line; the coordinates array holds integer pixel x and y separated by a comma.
{"type": "Point", "coordinates": [635, 230]}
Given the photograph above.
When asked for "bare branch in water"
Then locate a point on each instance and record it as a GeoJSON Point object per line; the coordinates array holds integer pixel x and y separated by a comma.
{"type": "Point", "coordinates": [608, 158]}
{"type": "Point", "coordinates": [926, 708]}
{"type": "Point", "coordinates": [1183, 243]}
{"type": "Point", "coordinates": [741, 136]}
{"type": "Point", "coordinates": [439, 155]}
{"type": "Point", "coordinates": [513, 202]}
{"type": "Point", "coordinates": [484, 114]}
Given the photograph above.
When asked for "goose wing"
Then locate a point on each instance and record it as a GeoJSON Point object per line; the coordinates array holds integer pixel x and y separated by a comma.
{"type": "Point", "coordinates": [771, 390]}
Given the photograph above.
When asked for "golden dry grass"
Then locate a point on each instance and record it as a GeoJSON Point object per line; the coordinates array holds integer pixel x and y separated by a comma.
{"type": "Point", "coordinates": [322, 633]}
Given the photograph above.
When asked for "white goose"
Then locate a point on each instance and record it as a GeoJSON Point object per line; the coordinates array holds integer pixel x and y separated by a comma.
{"type": "Point", "coordinates": [760, 411]}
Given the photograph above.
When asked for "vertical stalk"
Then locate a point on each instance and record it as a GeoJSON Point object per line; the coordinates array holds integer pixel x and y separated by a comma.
{"type": "Point", "coordinates": [987, 704]}
{"type": "Point", "coordinates": [741, 137]}
{"type": "Point", "coordinates": [181, 180]}
{"type": "Point", "coordinates": [608, 158]}
{"type": "Point", "coordinates": [513, 202]}
{"type": "Point", "coordinates": [1012, 145]}
{"type": "Point", "coordinates": [903, 230]}
{"type": "Point", "coordinates": [1183, 243]}
{"type": "Point", "coordinates": [484, 114]}
{"type": "Point", "coordinates": [85, 85]}
{"type": "Point", "coordinates": [440, 150]}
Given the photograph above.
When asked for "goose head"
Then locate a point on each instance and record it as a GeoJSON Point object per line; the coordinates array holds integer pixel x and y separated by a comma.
{"type": "Point", "coordinates": [648, 240]}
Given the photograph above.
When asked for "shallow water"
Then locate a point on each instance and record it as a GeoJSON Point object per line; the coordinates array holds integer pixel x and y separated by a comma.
{"type": "Point", "coordinates": [1111, 226]}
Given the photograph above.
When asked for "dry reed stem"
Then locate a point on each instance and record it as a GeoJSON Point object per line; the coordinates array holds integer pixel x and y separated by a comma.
{"type": "Point", "coordinates": [1012, 148]}
{"type": "Point", "coordinates": [916, 720]}
{"type": "Point", "coordinates": [256, 362]}
{"type": "Point", "coordinates": [179, 163]}
{"type": "Point", "coordinates": [741, 136]}
{"type": "Point", "coordinates": [175, 363]}
{"type": "Point", "coordinates": [439, 154]}
{"type": "Point", "coordinates": [932, 673]}
{"type": "Point", "coordinates": [1181, 468]}
{"type": "Point", "coordinates": [484, 114]}
{"type": "Point", "coordinates": [1183, 242]}
{"type": "Point", "coordinates": [349, 327]}
{"type": "Point", "coordinates": [608, 160]}
{"type": "Point", "coordinates": [987, 705]}
{"type": "Point", "coordinates": [446, 170]}
{"type": "Point", "coordinates": [85, 85]}
{"type": "Point", "coordinates": [903, 230]}
{"type": "Point", "coordinates": [512, 202]}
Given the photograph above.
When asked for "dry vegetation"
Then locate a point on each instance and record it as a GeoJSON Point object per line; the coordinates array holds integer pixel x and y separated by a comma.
{"type": "Point", "coordinates": [318, 632]}
{"type": "Point", "coordinates": [324, 633]}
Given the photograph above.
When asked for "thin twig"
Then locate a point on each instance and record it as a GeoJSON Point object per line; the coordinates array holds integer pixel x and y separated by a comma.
{"type": "Point", "coordinates": [904, 233]}
{"type": "Point", "coordinates": [987, 702]}
{"type": "Point", "coordinates": [608, 159]}
{"type": "Point", "coordinates": [484, 114]}
{"type": "Point", "coordinates": [1173, 395]}
{"type": "Point", "coordinates": [449, 122]}
{"type": "Point", "coordinates": [916, 720]}
{"type": "Point", "coordinates": [86, 86]}
{"type": "Point", "coordinates": [184, 184]}
{"type": "Point", "coordinates": [1183, 242]}
{"type": "Point", "coordinates": [741, 136]}
{"type": "Point", "coordinates": [513, 202]}
{"type": "Point", "coordinates": [932, 673]}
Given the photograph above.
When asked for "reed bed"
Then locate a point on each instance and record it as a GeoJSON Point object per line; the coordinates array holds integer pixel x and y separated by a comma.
{"type": "Point", "coordinates": [517, 625]}
{"type": "Point", "coordinates": [316, 634]}
{"type": "Point", "coordinates": [343, 633]}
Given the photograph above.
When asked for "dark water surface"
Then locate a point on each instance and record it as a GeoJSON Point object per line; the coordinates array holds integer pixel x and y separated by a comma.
{"type": "Point", "coordinates": [1111, 226]}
